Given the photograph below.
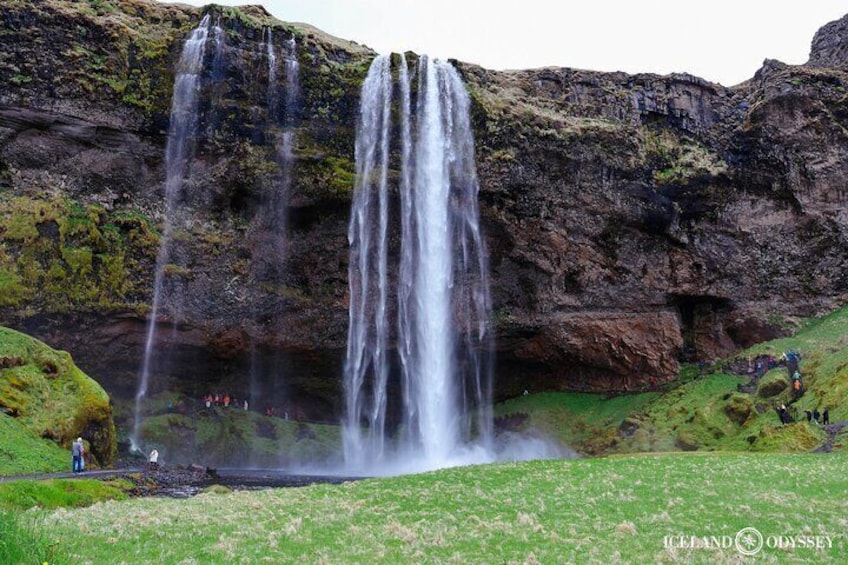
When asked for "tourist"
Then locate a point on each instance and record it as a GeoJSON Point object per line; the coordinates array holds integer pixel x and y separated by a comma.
{"type": "Point", "coordinates": [153, 460]}
{"type": "Point", "coordinates": [816, 416]}
{"type": "Point", "coordinates": [245, 405]}
{"type": "Point", "coordinates": [825, 417]}
{"type": "Point", "coordinates": [77, 450]}
{"type": "Point", "coordinates": [809, 414]}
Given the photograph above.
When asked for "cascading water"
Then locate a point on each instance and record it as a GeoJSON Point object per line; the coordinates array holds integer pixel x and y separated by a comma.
{"type": "Point", "coordinates": [442, 282]}
{"type": "Point", "coordinates": [367, 340]}
{"type": "Point", "coordinates": [270, 228]}
{"type": "Point", "coordinates": [181, 133]}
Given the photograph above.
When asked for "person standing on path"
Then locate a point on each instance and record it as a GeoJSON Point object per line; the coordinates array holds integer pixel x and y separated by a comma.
{"type": "Point", "coordinates": [77, 450]}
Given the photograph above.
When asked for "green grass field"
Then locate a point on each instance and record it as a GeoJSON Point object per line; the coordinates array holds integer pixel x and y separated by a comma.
{"type": "Point", "coordinates": [605, 510]}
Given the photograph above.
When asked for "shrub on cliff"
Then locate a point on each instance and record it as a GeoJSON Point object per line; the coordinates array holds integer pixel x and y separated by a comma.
{"type": "Point", "coordinates": [43, 390]}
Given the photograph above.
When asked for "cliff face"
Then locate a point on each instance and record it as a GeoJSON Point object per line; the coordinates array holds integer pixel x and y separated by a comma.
{"type": "Point", "coordinates": [632, 221]}
{"type": "Point", "coordinates": [642, 219]}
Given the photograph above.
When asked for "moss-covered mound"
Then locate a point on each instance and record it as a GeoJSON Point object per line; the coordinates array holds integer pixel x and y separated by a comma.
{"type": "Point", "coordinates": [43, 390]}
{"type": "Point", "coordinates": [235, 437]}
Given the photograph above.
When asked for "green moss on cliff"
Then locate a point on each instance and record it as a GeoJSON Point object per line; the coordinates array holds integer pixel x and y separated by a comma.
{"type": "Point", "coordinates": [58, 255]}
{"type": "Point", "coordinates": [674, 160]}
{"type": "Point", "coordinates": [329, 178]}
{"type": "Point", "coordinates": [47, 393]}
{"type": "Point", "coordinates": [233, 436]}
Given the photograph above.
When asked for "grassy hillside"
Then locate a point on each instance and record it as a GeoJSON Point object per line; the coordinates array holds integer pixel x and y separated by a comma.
{"type": "Point", "coordinates": [22, 451]}
{"type": "Point", "coordinates": [46, 393]}
{"type": "Point", "coordinates": [707, 409]}
{"type": "Point", "coordinates": [616, 509]}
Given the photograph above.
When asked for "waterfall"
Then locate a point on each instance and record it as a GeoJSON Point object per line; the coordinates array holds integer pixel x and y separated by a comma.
{"type": "Point", "coordinates": [181, 133]}
{"type": "Point", "coordinates": [367, 272]}
{"type": "Point", "coordinates": [217, 82]}
{"type": "Point", "coordinates": [271, 222]}
{"type": "Point", "coordinates": [282, 122]}
{"type": "Point", "coordinates": [442, 282]}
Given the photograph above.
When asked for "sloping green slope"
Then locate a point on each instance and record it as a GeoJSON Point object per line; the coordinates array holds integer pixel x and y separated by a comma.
{"type": "Point", "coordinates": [719, 408]}
{"type": "Point", "coordinates": [44, 391]}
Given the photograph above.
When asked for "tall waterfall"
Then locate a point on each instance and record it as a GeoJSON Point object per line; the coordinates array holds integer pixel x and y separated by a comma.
{"type": "Point", "coordinates": [442, 298]}
{"type": "Point", "coordinates": [181, 133]}
{"type": "Point", "coordinates": [271, 222]}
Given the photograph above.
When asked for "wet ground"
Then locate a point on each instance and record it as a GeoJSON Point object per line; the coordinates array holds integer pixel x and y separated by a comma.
{"type": "Point", "coordinates": [183, 482]}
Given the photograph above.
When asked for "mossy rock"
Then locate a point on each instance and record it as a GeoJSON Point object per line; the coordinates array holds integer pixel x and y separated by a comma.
{"type": "Point", "coordinates": [51, 396]}
{"type": "Point", "coordinates": [798, 437]}
{"type": "Point", "coordinates": [629, 426]}
{"type": "Point", "coordinates": [772, 385]}
{"type": "Point", "coordinates": [686, 441]}
{"type": "Point", "coordinates": [740, 408]}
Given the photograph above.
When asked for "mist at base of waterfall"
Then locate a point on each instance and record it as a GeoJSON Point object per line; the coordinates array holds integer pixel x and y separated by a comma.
{"type": "Point", "coordinates": [508, 447]}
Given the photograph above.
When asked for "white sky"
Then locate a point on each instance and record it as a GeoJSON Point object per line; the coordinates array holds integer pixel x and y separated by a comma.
{"type": "Point", "coordinates": [722, 41]}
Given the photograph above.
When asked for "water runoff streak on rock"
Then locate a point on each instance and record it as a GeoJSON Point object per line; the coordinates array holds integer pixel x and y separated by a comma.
{"type": "Point", "coordinates": [442, 297]}
{"type": "Point", "coordinates": [181, 133]}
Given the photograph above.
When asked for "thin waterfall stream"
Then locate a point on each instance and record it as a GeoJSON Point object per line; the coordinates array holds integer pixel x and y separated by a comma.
{"type": "Point", "coordinates": [181, 133]}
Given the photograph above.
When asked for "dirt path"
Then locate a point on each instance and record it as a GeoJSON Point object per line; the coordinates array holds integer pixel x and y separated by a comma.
{"type": "Point", "coordinates": [179, 482]}
{"type": "Point", "coordinates": [93, 474]}
{"type": "Point", "coordinates": [832, 431]}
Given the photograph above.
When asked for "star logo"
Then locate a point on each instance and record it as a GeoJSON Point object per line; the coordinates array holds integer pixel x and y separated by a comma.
{"type": "Point", "coordinates": [748, 541]}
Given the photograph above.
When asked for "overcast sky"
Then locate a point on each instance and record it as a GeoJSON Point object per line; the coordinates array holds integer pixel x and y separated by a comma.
{"type": "Point", "coordinates": [723, 41]}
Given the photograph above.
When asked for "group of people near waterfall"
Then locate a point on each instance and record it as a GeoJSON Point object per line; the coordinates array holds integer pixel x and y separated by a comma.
{"type": "Point", "coordinates": [224, 400]}
{"type": "Point", "coordinates": [230, 401]}
{"type": "Point", "coordinates": [813, 416]}
{"type": "Point", "coordinates": [792, 361]}
{"type": "Point", "coordinates": [816, 418]}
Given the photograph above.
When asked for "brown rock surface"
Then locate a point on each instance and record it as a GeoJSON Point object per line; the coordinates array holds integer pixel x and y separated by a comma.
{"type": "Point", "coordinates": [632, 221]}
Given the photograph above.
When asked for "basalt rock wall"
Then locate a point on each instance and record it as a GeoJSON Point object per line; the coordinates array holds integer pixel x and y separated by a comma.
{"type": "Point", "coordinates": [632, 221]}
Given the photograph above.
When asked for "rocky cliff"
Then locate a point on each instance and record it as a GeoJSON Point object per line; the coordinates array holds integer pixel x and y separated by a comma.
{"type": "Point", "coordinates": [632, 221]}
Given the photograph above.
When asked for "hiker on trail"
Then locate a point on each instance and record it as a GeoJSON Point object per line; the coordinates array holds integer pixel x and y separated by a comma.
{"type": "Point", "coordinates": [77, 451]}
{"type": "Point", "coordinates": [792, 359]}
{"type": "Point", "coordinates": [797, 384]}
{"type": "Point", "coordinates": [825, 417]}
{"type": "Point", "coordinates": [783, 413]}
{"type": "Point", "coordinates": [816, 416]}
{"type": "Point", "coordinates": [809, 414]}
